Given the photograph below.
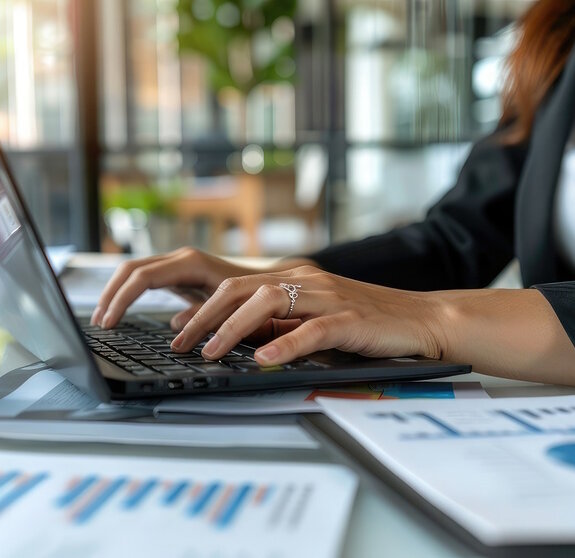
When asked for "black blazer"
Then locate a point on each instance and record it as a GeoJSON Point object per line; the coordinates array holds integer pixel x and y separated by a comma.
{"type": "Point", "coordinates": [500, 208]}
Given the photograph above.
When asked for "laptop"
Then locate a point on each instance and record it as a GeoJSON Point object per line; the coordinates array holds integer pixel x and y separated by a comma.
{"type": "Point", "coordinates": [134, 360]}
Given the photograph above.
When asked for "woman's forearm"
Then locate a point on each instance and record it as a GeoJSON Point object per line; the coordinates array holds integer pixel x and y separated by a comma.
{"type": "Point", "coordinates": [505, 332]}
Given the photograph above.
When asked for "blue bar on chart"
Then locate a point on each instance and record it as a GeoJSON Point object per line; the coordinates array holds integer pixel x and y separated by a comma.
{"type": "Point", "coordinates": [555, 419]}
{"type": "Point", "coordinates": [477, 425]}
{"type": "Point", "coordinates": [483, 424]}
{"type": "Point", "coordinates": [174, 491]}
{"type": "Point", "coordinates": [216, 503]}
{"type": "Point", "coordinates": [16, 485]}
{"type": "Point", "coordinates": [395, 417]}
{"type": "Point", "coordinates": [96, 499]}
{"type": "Point", "coordinates": [5, 478]}
{"type": "Point", "coordinates": [202, 500]}
{"type": "Point", "coordinates": [76, 488]}
{"type": "Point", "coordinates": [139, 491]}
{"type": "Point", "coordinates": [232, 507]}
{"type": "Point", "coordinates": [522, 423]}
{"type": "Point", "coordinates": [441, 425]}
{"type": "Point", "coordinates": [418, 426]}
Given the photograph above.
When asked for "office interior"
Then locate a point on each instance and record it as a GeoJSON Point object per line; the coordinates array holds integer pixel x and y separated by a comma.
{"type": "Point", "coordinates": [260, 129]}
{"type": "Point", "coordinates": [243, 128]}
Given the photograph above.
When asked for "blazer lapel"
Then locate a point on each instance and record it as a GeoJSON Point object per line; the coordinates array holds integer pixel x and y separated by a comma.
{"type": "Point", "coordinates": [534, 207]}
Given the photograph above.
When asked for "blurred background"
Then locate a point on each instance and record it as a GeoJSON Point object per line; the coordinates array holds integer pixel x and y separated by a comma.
{"type": "Point", "coordinates": [245, 127]}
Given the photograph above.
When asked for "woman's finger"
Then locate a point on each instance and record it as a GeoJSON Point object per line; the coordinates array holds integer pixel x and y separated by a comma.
{"type": "Point", "coordinates": [179, 320]}
{"type": "Point", "coordinates": [270, 296]}
{"type": "Point", "coordinates": [324, 332]}
{"type": "Point", "coordinates": [119, 277]}
{"type": "Point", "coordinates": [271, 329]}
{"type": "Point", "coordinates": [185, 268]}
{"type": "Point", "coordinates": [235, 311]}
{"type": "Point", "coordinates": [266, 303]}
{"type": "Point", "coordinates": [149, 274]}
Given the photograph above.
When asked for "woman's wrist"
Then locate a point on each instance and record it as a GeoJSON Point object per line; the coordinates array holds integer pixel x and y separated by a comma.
{"type": "Point", "coordinates": [505, 332]}
{"type": "Point", "coordinates": [291, 263]}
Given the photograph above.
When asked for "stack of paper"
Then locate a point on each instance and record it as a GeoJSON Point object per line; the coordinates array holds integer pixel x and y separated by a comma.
{"type": "Point", "coordinates": [305, 400]}
{"type": "Point", "coordinates": [504, 469]}
{"type": "Point", "coordinates": [37, 403]}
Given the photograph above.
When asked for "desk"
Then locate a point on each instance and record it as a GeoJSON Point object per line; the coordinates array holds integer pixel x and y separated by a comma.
{"type": "Point", "coordinates": [383, 522]}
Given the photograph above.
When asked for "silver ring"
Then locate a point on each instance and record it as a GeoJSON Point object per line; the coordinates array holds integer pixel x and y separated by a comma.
{"type": "Point", "coordinates": [292, 293]}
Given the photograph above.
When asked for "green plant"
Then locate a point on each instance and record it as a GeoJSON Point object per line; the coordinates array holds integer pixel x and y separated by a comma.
{"type": "Point", "coordinates": [245, 42]}
{"type": "Point", "coordinates": [150, 198]}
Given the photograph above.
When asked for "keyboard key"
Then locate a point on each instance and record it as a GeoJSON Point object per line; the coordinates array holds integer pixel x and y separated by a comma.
{"type": "Point", "coordinates": [211, 368]}
{"type": "Point", "coordinates": [142, 371]}
{"type": "Point", "coordinates": [174, 370]}
{"type": "Point", "coordinates": [254, 367]}
{"type": "Point", "coordinates": [235, 359]}
{"type": "Point", "coordinates": [188, 360]}
{"type": "Point", "coordinates": [156, 362]}
{"type": "Point", "coordinates": [140, 353]}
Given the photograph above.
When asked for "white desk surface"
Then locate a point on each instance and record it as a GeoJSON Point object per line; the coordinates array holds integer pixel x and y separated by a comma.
{"type": "Point", "coordinates": [383, 522]}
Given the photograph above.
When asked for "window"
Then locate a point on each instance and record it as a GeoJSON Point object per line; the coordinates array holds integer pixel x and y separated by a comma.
{"type": "Point", "coordinates": [38, 111]}
{"type": "Point", "coordinates": [393, 91]}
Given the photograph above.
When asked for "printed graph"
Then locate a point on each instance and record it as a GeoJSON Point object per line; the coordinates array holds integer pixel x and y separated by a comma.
{"type": "Point", "coordinates": [487, 423]}
{"type": "Point", "coordinates": [563, 454]}
{"type": "Point", "coordinates": [63, 505]}
{"type": "Point", "coordinates": [14, 485]}
{"type": "Point", "coordinates": [216, 503]}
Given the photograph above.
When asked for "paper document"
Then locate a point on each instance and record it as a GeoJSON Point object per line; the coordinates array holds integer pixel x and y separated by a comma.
{"type": "Point", "coordinates": [70, 506]}
{"type": "Point", "coordinates": [304, 401]}
{"type": "Point", "coordinates": [59, 256]}
{"type": "Point", "coordinates": [503, 469]}
{"type": "Point", "coordinates": [37, 391]}
{"type": "Point", "coordinates": [37, 403]}
{"type": "Point", "coordinates": [278, 436]}
{"type": "Point", "coordinates": [83, 287]}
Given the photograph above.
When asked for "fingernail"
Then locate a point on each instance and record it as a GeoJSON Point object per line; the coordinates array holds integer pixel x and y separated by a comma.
{"type": "Point", "coordinates": [105, 321]}
{"type": "Point", "coordinates": [96, 316]}
{"type": "Point", "coordinates": [267, 354]}
{"type": "Point", "coordinates": [212, 345]}
{"type": "Point", "coordinates": [177, 341]}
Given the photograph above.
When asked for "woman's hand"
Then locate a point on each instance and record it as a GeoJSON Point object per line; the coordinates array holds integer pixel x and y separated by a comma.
{"type": "Point", "coordinates": [504, 332]}
{"type": "Point", "coordinates": [180, 270]}
{"type": "Point", "coordinates": [187, 271]}
{"type": "Point", "coordinates": [329, 312]}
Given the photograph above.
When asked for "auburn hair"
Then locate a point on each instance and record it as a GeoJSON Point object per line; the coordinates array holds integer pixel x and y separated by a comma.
{"type": "Point", "coordinates": [546, 37]}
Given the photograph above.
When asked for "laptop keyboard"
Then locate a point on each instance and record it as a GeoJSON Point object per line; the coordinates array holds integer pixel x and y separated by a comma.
{"type": "Point", "coordinates": [137, 348]}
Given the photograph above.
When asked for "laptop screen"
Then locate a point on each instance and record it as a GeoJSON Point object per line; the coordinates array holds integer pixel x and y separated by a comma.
{"type": "Point", "coordinates": [33, 309]}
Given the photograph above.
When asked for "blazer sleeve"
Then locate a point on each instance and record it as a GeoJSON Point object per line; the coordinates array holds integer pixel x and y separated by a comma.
{"type": "Point", "coordinates": [561, 296]}
{"type": "Point", "coordinates": [465, 240]}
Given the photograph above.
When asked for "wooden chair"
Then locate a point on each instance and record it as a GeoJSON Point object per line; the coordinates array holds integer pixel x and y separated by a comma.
{"type": "Point", "coordinates": [223, 201]}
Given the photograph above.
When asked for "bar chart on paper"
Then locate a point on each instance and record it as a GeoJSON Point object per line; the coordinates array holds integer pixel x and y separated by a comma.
{"type": "Point", "coordinates": [516, 456]}
{"type": "Point", "coordinates": [479, 423]}
{"type": "Point", "coordinates": [139, 506]}
{"type": "Point", "coordinates": [215, 503]}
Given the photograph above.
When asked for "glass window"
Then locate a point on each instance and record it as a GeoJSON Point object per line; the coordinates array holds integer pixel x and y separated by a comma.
{"type": "Point", "coordinates": [38, 110]}
{"type": "Point", "coordinates": [422, 81]}
{"type": "Point", "coordinates": [386, 96]}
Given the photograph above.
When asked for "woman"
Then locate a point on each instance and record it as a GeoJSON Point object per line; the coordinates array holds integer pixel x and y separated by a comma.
{"type": "Point", "coordinates": [421, 289]}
